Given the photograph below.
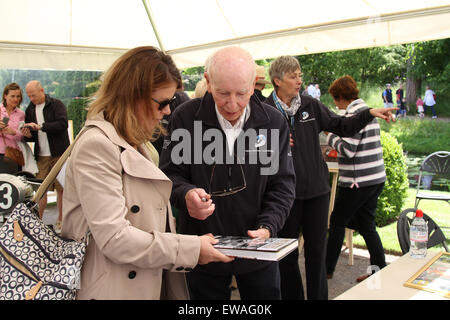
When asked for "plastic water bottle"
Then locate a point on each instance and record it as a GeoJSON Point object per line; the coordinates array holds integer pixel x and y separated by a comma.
{"type": "Point", "coordinates": [418, 236]}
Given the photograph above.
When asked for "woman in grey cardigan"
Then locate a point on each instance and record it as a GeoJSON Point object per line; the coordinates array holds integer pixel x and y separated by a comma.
{"type": "Point", "coordinates": [361, 179]}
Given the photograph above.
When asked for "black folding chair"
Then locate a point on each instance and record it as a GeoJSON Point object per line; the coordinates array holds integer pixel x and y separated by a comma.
{"type": "Point", "coordinates": [435, 234]}
{"type": "Point", "coordinates": [438, 164]}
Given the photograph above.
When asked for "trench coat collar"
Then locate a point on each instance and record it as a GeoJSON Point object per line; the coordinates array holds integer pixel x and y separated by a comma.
{"type": "Point", "coordinates": [137, 164]}
{"type": "Point", "coordinates": [207, 113]}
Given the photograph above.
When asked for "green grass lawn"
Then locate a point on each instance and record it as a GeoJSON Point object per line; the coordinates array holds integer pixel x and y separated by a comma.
{"type": "Point", "coordinates": [439, 211]}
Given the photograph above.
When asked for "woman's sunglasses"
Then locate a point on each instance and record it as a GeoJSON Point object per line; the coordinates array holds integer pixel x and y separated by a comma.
{"type": "Point", "coordinates": [164, 103]}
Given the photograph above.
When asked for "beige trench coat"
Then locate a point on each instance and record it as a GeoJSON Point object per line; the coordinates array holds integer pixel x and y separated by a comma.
{"type": "Point", "coordinates": [119, 195]}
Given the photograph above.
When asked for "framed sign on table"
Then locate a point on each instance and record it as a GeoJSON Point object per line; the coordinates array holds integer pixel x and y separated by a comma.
{"type": "Point", "coordinates": [434, 276]}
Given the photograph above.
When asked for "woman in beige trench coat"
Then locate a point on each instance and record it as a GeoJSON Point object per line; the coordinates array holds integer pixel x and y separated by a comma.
{"type": "Point", "coordinates": [114, 190]}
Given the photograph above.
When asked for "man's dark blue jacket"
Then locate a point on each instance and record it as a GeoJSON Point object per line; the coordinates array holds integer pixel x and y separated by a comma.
{"type": "Point", "coordinates": [267, 200]}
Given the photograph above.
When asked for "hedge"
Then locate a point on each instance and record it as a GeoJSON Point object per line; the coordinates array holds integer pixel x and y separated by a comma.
{"type": "Point", "coordinates": [393, 196]}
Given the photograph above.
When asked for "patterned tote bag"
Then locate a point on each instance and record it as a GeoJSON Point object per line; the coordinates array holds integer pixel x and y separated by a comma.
{"type": "Point", "coordinates": [36, 263]}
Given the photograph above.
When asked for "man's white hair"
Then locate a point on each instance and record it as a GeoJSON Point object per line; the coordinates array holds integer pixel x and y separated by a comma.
{"type": "Point", "coordinates": [211, 61]}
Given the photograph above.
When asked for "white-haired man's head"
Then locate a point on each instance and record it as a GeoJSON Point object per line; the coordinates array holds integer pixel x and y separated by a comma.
{"type": "Point", "coordinates": [231, 75]}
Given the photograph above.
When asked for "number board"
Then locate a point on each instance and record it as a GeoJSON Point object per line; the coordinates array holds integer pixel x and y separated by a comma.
{"type": "Point", "coordinates": [9, 196]}
{"type": "Point", "coordinates": [12, 191]}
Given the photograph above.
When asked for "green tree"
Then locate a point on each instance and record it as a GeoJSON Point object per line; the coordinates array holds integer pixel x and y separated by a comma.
{"type": "Point", "coordinates": [429, 64]}
{"type": "Point", "coordinates": [77, 109]}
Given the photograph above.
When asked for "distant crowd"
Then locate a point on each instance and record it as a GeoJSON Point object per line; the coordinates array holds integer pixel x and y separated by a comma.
{"type": "Point", "coordinates": [428, 102]}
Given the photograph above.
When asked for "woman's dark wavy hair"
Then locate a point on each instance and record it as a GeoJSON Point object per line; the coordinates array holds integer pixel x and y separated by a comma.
{"type": "Point", "coordinates": [8, 88]}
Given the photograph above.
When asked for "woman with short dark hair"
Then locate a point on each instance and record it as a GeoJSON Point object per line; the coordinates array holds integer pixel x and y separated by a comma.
{"type": "Point", "coordinates": [361, 179]}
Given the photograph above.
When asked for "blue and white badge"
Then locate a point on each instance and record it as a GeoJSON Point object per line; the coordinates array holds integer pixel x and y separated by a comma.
{"type": "Point", "coordinates": [260, 141]}
{"type": "Point", "coordinates": [305, 115]}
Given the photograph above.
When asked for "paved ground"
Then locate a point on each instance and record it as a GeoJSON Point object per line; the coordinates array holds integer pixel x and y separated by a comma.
{"type": "Point", "coordinates": [343, 279]}
{"type": "Point", "coordinates": [345, 275]}
{"type": "Point", "coordinates": [51, 212]}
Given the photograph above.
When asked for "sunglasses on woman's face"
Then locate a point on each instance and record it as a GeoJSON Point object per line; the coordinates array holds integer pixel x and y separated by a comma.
{"type": "Point", "coordinates": [164, 103]}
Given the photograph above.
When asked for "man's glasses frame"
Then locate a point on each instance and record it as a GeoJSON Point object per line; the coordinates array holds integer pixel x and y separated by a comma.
{"type": "Point", "coordinates": [164, 103]}
{"type": "Point", "coordinates": [229, 191]}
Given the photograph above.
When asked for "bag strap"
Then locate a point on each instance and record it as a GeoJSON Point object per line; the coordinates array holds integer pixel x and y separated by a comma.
{"type": "Point", "coordinates": [50, 178]}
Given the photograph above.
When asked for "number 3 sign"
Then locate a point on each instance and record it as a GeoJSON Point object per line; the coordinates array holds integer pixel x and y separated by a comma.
{"type": "Point", "coordinates": [12, 191]}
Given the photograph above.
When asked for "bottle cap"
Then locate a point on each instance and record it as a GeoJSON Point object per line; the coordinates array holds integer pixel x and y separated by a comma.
{"type": "Point", "coordinates": [419, 213]}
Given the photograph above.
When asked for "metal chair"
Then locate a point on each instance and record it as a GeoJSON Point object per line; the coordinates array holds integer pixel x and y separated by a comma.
{"type": "Point", "coordinates": [437, 163]}
{"type": "Point", "coordinates": [435, 234]}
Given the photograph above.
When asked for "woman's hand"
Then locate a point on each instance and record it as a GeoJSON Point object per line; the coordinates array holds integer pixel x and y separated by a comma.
{"type": "Point", "coordinates": [383, 113]}
{"type": "Point", "coordinates": [26, 132]}
{"type": "Point", "coordinates": [208, 253]}
{"type": "Point", "coordinates": [10, 131]}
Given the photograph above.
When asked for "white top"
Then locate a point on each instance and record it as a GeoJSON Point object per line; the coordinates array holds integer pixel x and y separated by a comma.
{"type": "Point", "coordinates": [232, 132]}
{"type": "Point", "coordinates": [311, 90]}
{"type": "Point", "coordinates": [317, 93]}
{"type": "Point", "coordinates": [429, 99]}
{"type": "Point", "coordinates": [44, 147]}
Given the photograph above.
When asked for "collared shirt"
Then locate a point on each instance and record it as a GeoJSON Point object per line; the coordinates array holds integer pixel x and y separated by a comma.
{"type": "Point", "coordinates": [232, 132]}
{"type": "Point", "coordinates": [44, 147]}
{"type": "Point", "coordinates": [15, 118]}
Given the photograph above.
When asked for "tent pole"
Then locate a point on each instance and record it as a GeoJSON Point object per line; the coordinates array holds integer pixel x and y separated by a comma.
{"type": "Point", "coordinates": [155, 29]}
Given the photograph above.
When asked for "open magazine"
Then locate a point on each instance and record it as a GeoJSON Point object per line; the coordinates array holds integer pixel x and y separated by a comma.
{"type": "Point", "coordinates": [272, 249]}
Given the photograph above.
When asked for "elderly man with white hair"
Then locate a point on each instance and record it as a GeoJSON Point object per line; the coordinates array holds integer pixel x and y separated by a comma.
{"type": "Point", "coordinates": [229, 158]}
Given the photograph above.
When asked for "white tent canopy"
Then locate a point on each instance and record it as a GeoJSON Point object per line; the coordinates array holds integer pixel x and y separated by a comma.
{"type": "Point", "coordinates": [91, 34]}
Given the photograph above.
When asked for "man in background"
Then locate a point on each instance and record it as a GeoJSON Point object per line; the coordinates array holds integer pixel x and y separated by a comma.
{"type": "Point", "coordinates": [387, 96]}
{"type": "Point", "coordinates": [260, 82]}
{"type": "Point", "coordinates": [46, 125]}
{"type": "Point", "coordinates": [400, 102]}
{"type": "Point", "coordinates": [317, 92]}
{"type": "Point", "coordinates": [311, 90]}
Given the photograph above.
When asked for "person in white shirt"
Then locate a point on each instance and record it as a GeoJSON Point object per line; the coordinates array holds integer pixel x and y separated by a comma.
{"type": "Point", "coordinates": [429, 101]}
{"type": "Point", "coordinates": [317, 92]}
{"type": "Point", "coordinates": [311, 90]}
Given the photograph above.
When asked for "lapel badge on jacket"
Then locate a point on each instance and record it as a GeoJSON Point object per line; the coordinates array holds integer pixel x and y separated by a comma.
{"type": "Point", "coordinates": [305, 115]}
{"type": "Point", "coordinates": [260, 140]}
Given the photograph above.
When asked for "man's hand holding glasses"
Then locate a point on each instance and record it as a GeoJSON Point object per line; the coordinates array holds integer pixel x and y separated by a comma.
{"type": "Point", "coordinates": [199, 204]}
